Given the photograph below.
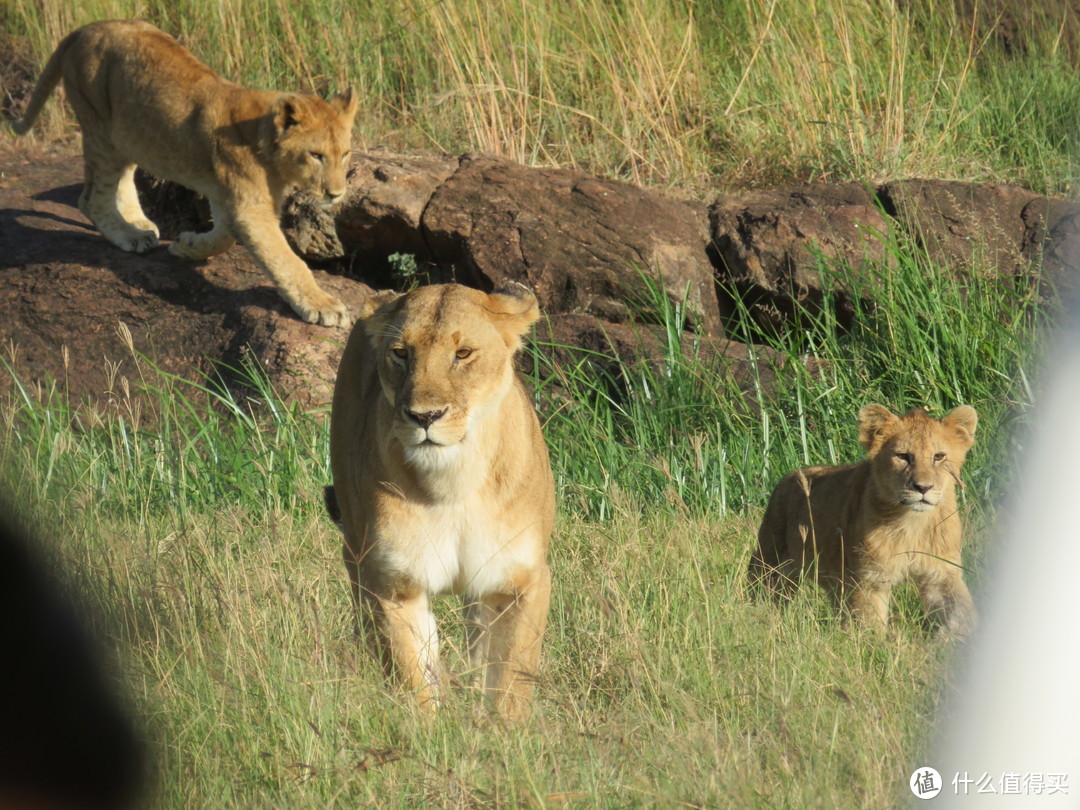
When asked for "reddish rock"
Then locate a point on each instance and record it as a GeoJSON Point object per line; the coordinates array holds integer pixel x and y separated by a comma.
{"type": "Point", "coordinates": [769, 246]}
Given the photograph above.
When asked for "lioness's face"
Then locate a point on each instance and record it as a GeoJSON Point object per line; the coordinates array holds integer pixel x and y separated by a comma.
{"type": "Point", "coordinates": [314, 139]}
{"type": "Point", "coordinates": [916, 458]}
{"type": "Point", "coordinates": [444, 355]}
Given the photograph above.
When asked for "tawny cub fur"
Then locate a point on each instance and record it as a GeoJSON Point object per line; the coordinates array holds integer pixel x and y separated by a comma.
{"type": "Point", "coordinates": [862, 529]}
{"type": "Point", "coordinates": [143, 100]}
{"type": "Point", "coordinates": [442, 484]}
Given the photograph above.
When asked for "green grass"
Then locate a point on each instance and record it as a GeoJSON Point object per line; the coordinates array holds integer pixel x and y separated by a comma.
{"type": "Point", "coordinates": [191, 521]}
{"type": "Point", "coordinates": [702, 96]}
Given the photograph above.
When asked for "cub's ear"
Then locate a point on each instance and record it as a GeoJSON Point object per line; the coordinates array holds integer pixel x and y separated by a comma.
{"type": "Point", "coordinates": [876, 423]}
{"type": "Point", "coordinates": [962, 421]}
{"type": "Point", "coordinates": [513, 309]}
{"type": "Point", "coordinates": [346, 102]}
{"type": "Point", "coordinates": [288, 112]}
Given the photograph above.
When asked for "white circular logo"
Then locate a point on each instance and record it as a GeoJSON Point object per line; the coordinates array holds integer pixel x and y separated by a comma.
{"type": "Point", "coordinates": [925, 782]}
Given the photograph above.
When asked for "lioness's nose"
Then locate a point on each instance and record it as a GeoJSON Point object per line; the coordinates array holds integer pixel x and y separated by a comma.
{"type": "Point", "coordinates": [922, 489]}
{"type": "Point", "coordinates": [425, 418]}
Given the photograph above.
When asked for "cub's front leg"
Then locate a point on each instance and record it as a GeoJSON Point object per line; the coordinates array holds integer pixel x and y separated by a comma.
{"type": "Point", "coordinates": [201, 246]}
{"type": "Point", "coordinates": [257, 227]}
{"type": "Point", "coordinates": [948, 602]}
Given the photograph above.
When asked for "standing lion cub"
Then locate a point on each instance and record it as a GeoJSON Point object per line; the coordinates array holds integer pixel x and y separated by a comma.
{"type": "Point", "coordinates": [442, 484]}
{"type": "Point", "coordinates": [860, 530]}
{"type": "Point", "coordinates": [143, 100]}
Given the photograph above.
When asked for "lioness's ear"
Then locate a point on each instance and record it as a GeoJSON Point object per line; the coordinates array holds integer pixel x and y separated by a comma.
{"type": "Point", "coordinates": [875, 422]}
{"type": "Point", "coordinates": [513, 309]}
{"type": "Point", "coordinates": [374, 312]}
{"type": "Point", "coordinates": [962, 420]}
{"type": "Point", "coordinates": [377, 301]}
{"type": "Point", "coordinates": [346, 102]}
{"type": "Point", "coordinates": [287, 113]}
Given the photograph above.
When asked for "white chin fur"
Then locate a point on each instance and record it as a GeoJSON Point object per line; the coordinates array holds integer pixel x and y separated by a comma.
{"type": "Point", "coordinates": [919, 505]}
{"type": "Point", "coordinates": [429, 457]}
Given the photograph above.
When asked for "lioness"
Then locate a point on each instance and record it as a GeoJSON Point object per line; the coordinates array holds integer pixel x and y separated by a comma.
{"type": "Point", "coordinates": [442, 483]}
{"type": "Point", "coordinates": [142, 99]}
{"type": "Point", "coordinates": [861, 529]}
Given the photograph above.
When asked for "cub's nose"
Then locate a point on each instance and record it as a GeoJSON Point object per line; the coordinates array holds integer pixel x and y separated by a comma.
{"type": "Point", "coordinates": [922, 489]}
{"type": "Point", "coordinates": [425, 418]}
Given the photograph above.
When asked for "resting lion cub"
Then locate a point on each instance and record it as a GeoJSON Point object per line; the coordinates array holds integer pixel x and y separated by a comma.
{"type": "Point", "coordinates": [442, 483]}
{"type": "Point", "coordinates": [862, 529]}
{"type": "Point", "coordinates": [143, 100]}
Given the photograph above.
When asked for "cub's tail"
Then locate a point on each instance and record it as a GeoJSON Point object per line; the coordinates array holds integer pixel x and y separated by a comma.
{"type": "Point", "coordinates": [50, 77]}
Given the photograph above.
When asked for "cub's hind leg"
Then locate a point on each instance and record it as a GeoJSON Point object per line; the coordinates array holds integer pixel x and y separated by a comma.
{"type": "Point", "coordinates": [127, 203]}
{"type": "Point", "coordinates": [110, 201]}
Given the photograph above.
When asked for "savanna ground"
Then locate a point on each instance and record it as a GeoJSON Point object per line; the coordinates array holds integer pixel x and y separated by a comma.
{"type": "Point", "coordinates": [190, 521]}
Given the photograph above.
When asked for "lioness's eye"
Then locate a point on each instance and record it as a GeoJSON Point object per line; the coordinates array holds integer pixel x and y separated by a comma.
{"type": "Point", "coordinates": [400, 352]}
{"type": "Point", "coordinates": [317, 156]}
{"type": "Point", "coordinates": [904, 457]}
{"type": "Point", "coordinates": [939, 456]}
{"type": "Point", "coordinates": [462, 353]}
{"type": "Point", "coordinates": [345, 157]}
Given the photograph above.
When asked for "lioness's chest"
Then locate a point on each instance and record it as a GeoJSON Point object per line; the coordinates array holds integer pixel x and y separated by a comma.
{"type": "Point", "coordinates": [459, 548]}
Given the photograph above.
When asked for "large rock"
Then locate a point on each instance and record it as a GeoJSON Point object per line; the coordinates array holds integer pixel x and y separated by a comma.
{"type": "Point", "coordinates": [585, 245]}
{"type": "Point", "coordinates": [769, 247]}
{"type": "Point", "coordinates": [963, 226]}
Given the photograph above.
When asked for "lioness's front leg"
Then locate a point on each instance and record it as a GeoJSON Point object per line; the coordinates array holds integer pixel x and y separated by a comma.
{"type": "Point", "coordinates": [514, 632]}
{"type": "Point", "coordinates": [410, 640]}
{"type": "Point", "coordinates": [258, 229]}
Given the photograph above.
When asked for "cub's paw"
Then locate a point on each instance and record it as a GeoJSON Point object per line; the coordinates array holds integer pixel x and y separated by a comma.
{"type": "Point", "coordinates": [327, 311]}
{"type": "Point", "coordinates": [134, 240]}
{"type": "Point", "coordinates": [146, 225]}
{"type": "Point", "coordinates": [190, 245]}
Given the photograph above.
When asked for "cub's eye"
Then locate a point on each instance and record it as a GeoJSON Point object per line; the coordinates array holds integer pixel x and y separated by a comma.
{"type": "Point", "coordinates": [400, 352]}
{"type": "Point", "coordinates": [345, 158]}
{"type": "Point", "coordinates": [318, 157]}
{"type": "Point", "coordinates": [462, 353]}
{"type": "Point", "coordinates": [904, 457]}
{"type": "Point", "coordinates": [939, 457]}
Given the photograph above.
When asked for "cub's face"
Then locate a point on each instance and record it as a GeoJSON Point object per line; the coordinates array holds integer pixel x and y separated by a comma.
{"type": "Point", "coordinates": [916, 458]}
{"type": "Point", "coordinates": [313, 143]}
{"type": "Point", "coordinates": [444, 355]}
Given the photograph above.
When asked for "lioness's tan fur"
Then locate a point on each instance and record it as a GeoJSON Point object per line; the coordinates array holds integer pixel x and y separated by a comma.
{"type": "Point", "coordinates": [142, 99]}
{"type": "Point", "coordinates": [442, 484]}
{"type": "Point", "coordinates": [861, 529]}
